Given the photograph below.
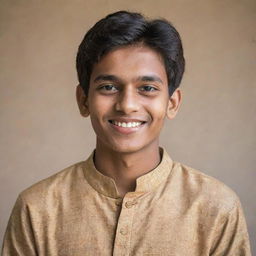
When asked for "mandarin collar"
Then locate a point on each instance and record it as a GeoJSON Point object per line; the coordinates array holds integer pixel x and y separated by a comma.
{"type": "Point", "coordinates": [145, 183]}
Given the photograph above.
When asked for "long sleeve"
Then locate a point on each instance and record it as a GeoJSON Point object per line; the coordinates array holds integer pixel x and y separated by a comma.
{"type": "Point", "coordinates": [19, 238]}
{"type": "Point", "coordinates": [231, 235]}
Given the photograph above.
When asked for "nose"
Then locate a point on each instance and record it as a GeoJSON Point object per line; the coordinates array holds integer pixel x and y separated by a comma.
{"type": "Point", "coordinates": [127, 101]}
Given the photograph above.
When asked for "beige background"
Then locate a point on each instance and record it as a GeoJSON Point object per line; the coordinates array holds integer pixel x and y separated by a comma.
{"type": "Point", "coordinates": [42, 132]}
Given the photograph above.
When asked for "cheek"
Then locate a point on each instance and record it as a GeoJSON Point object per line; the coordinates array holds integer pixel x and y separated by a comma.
{"type": "Point", "coordinates": [99, 108]}
{"type": "Point", "coordinates": [159, 111]}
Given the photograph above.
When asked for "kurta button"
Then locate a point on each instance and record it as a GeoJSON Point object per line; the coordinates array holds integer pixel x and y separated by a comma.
{"type": "Point", "coordinates": [124, 231]}
{"type": "Point", "coordinates": [130, 204]}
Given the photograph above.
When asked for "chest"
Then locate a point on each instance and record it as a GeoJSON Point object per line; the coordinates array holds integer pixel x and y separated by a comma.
{"type": "Point", "coordinates": [133, 226]}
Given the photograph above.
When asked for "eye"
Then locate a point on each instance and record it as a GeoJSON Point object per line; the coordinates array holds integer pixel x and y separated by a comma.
{"type": "Point", "coordinates": [108, 88]}
{"type": "Point", "coordinates": [148, 88]}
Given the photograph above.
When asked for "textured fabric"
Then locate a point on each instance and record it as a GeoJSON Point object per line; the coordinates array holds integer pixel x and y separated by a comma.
{"type": "Point", "coordinates": [175, 210]}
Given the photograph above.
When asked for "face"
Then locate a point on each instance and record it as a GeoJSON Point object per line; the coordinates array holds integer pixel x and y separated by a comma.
{"type": "Point", "coordinates": [128, 99]}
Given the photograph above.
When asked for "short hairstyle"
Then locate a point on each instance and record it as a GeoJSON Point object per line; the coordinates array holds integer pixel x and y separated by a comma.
{"type": "Point", "coordinates": [124, 28]}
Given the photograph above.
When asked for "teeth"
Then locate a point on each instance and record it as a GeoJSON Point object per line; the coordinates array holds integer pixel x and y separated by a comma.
{"type": "Point", "coordinates": [128, 125]}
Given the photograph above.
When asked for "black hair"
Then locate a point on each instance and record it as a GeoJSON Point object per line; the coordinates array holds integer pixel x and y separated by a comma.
{"type": "Point", "coordinates": [128, 28]}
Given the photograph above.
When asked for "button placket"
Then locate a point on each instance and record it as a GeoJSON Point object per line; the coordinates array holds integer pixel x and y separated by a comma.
{"type": "Point", "coordinates": [124, 225]}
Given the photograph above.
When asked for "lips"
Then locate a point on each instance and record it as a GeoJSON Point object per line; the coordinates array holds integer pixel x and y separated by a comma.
{"type": "Point", "coordinates": [126, 126]}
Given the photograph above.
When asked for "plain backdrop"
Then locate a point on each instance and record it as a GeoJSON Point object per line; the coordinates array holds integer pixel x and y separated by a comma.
{"type": "Point", "coordinates": [42, 131]}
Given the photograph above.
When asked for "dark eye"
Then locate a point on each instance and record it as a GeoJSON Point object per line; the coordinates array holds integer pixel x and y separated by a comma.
{"type": "Point", "coordinates": [109, 88]}
{"type": "Point", "coordinates": [148, 88]}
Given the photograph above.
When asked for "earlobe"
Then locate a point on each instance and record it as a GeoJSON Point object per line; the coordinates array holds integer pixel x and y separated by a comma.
{"type": "Point", "coordinates": [82, 102]}
{"type": "Point", "coordinates": [174, 104]}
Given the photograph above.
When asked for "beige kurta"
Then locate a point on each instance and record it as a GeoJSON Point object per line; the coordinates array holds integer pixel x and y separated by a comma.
{"type": "Point", "coordinates": [175, 210]}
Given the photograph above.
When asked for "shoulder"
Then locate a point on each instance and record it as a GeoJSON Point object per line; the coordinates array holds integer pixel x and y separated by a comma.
{"type": "Point", "coordinates": [215, 209]}
{"type": "Point", "coordinates": [203, 189]}
{"type": "Point", "coordinates": [54, 185]}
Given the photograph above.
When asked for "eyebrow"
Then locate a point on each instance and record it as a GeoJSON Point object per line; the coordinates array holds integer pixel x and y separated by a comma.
{"type": "Point", "coordinates": [107, 78]}
{"type": "Point", "coordinates": [151, 78]}
{"type": "Point", "coordinates": [113, 78]}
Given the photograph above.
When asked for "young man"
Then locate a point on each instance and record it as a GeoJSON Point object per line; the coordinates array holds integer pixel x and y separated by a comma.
{"type": "Point", "coordinates": [129, 197]}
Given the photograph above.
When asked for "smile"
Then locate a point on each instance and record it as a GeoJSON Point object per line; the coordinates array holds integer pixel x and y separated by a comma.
{"type": "Point", "coordinates": [126, 124]}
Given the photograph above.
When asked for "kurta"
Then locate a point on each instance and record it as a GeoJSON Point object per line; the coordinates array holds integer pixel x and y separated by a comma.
{"type": "Point", "coordinates": [174, 210]}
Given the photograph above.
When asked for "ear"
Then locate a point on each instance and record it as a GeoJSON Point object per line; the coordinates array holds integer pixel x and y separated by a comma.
{"type": "Point", "coordinates": [82, 101]}
{"type": "Point", "coordinates": [174, 104]}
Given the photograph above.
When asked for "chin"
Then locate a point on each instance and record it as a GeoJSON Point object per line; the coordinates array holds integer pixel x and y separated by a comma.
{"type": "Point", "coordinates": [128, 147]}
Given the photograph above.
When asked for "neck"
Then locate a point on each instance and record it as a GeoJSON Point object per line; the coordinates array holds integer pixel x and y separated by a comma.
{"type": "Point", "coordinates": [125, 168]}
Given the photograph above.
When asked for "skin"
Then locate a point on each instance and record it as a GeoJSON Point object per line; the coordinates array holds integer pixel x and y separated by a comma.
{"type": "Point", "coordinates": [128, 85]}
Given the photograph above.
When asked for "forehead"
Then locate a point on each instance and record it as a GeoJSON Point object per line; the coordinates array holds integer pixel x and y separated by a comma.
{"type": "Point", "coordinates": [130, 62]}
